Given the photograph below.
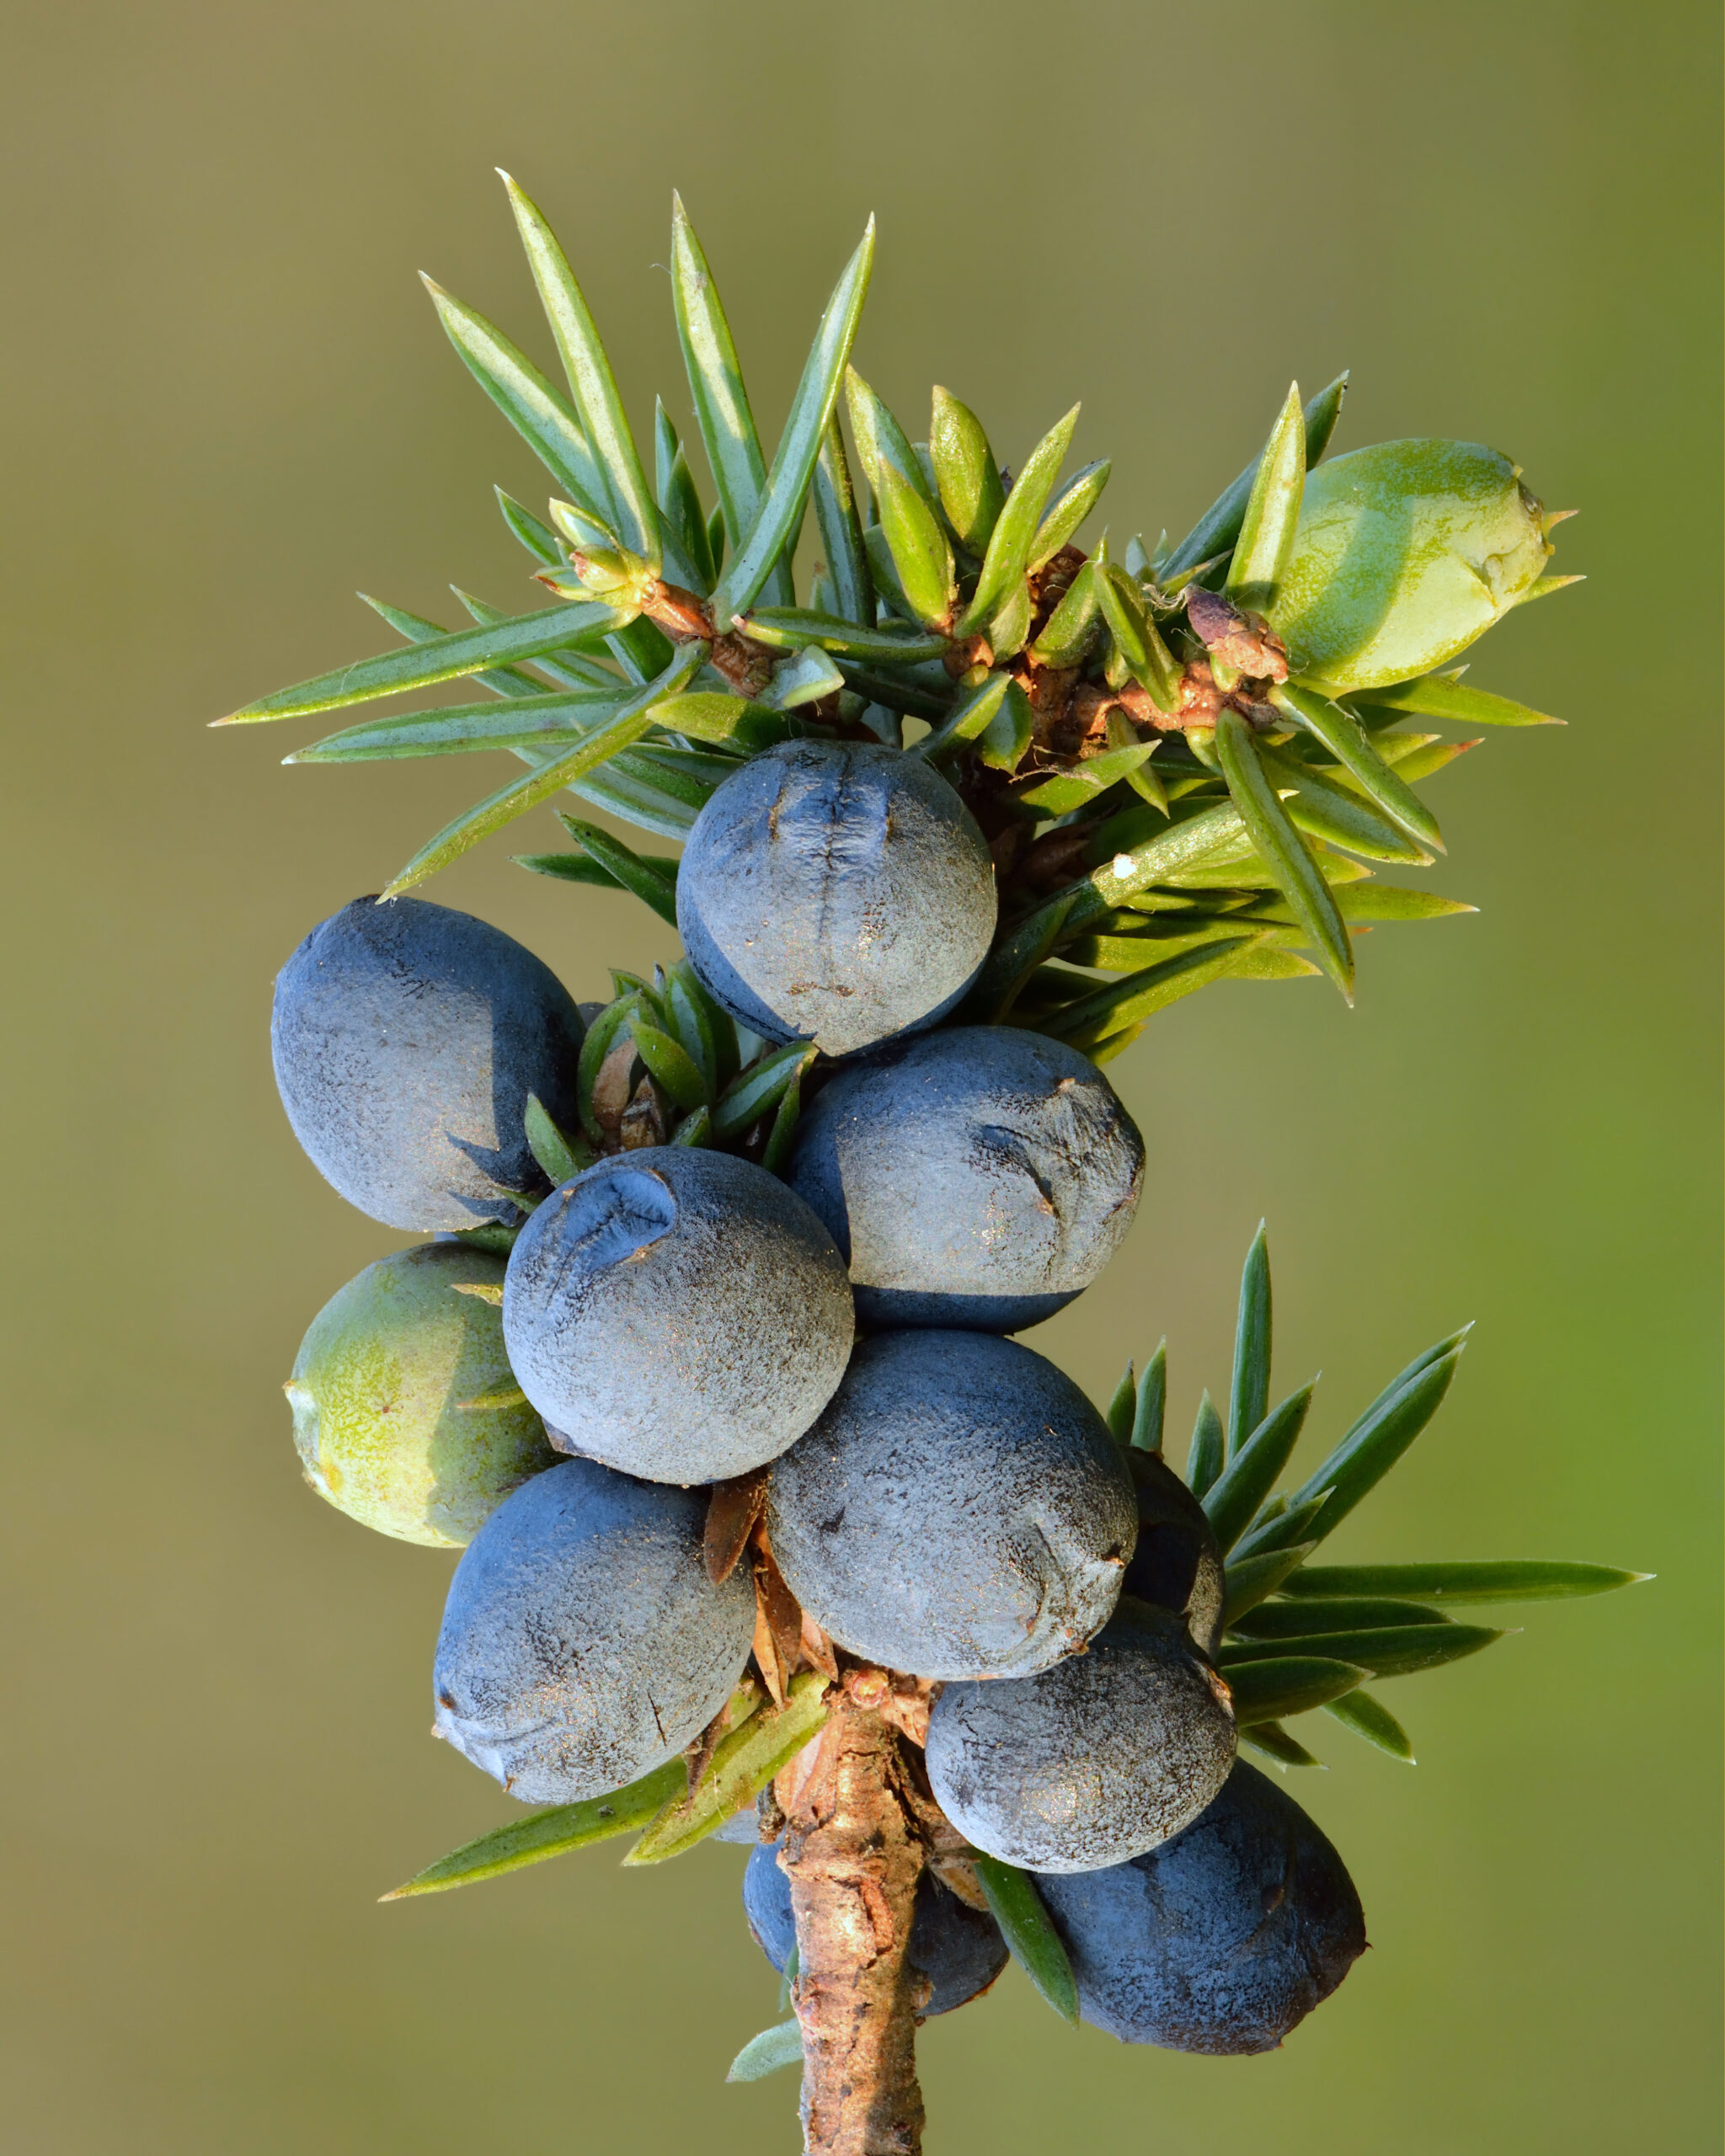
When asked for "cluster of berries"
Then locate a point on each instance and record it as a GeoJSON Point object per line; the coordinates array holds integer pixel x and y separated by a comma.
{"type": "Point", "coordinates": [802, 1339]}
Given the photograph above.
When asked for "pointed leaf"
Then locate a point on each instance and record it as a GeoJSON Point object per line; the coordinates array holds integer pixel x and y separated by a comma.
{"type": "Point", "coordinates": [669, 1065]}
{"type": "Point", "coordinates": [1216, 531]}
{"type": "Point", "coordinates": [758, 1090]}
{"type": "Point", "coordinates": [841, 530]}
{"type": "Point", "coordinates": [1284, 853]}
{"type": "Point", "coordinates": [919, 551]}
{"type": "Point", "coordinates": [1266, 963]}
{"type": "Point", "coordinates": [1279, 1525]}
{"type": "Point", "coordinates": [541, 414]}
{"type": "Point", "coordinates": [513, 800]}
{"type": "Point", "coordinates": [680, 507]}
{"type": "Point", "coordinates": [1205, 1454]}
{"type": "Point", "coordinates": [439, 659]}
{"type": "Point", "coordinates": [1437, 696]}
{"type": "Point", "coordinates": [651, 878]}
{"type": "Point", "coordinates": [803, 677]}
{"type": "Point", "coordinates": [1249, 1397]}
{"type": "Point", "coordinates": [966, 471]}
{"type": "Point", "coordinates": [1009, 547]}
{"type": "Point", "coordinates": [1067, 511]}
{"type": "Point", "coordinates": [522, 794]}
{"type": "Point", "coordinates": [1372, 1448]}
{"type": "Point", "coordinates": [1270, 1738]}
{"type": "Point", "coordinates": [567, 667]}
{"type": "Point", "coordinates": [1070, 629]}
{"type": "Point", "coordinates": [1025, 1925]}
{"type": "Point", "coordinates": [501, 680]}
{"type": "Point", "coordinates": [1123, 1407]}
{"type": "Point", "coordinates": [566, 868]}
{"type": "Point", "coordinates": [972, 714]}
{"type": "Point", "coordinates": [882, 443]}
{"type": "Point", "coordinates": [1417, 759]}
{"type": "Point", "coordinates": [1270, 1691]}
{"type": "Point", "coordinates": [1138, 642]}
{"type": "Point", "coordinates": [1352, 747]}
{"type": "Point", "coordinates": [1272, 512]}
{"type": "Point", "coordinates": [1400, 1651]}
{"type": "Point", "coordinates": [1056, 794]}
{"type": "Point", "coordinates": [1010, 626]}
{"type": "Point", "coordinates": [1002, 743]}
{"type": "Point", "coordinates": [1326, 805]}
{"type": "Point", "coordinates": [710, 715]}
{"type": "Point", "coordinates": [1527, 1579]}
{"type": "Point", "coordinates": [560, 1156]}
{"type": "Point", "coordinates": [795, 628]}
{"type": "Point", "coordinates": [744, 1763]}
{"type": "Point", "coordinates": [539, 539]}
{"type": "Point", "coordinates": [590, 379]}
{"type": "Point", "coordinates": [1238, 1492]}
{"type": "Point", "coordinates": [692, 1026]}
{"type": "Point", "coordinates": [548, 1833]}
{"type": "Point", "coordinates": [721, 413]}
{"type": "Point", "coordinates": [780, 515]}
{"type": "Point", "coordinates": [1153, 861]}
{"type": "Point", "coordinates": [1369, 1718]}
{"type": "Point", "coordinates": [1292, 1617]}
{"type": "Point", "coordinates": [768, 2052]}
{"type": "Point", "coordinates": [715, 1026]}
{"type": "Point", "coordinates": [1368, 903]}
{"type": "Point", "coordinates": [1129, 1001]}
{"type": "Point", "coordinates": [545, 720]}
{"type": "Point", "coordinates": [779, 1138]}
{"type": "Point", "coordinates": [1152, 1401]}
{"type": "Point", "coordinates": [1254, 1580]}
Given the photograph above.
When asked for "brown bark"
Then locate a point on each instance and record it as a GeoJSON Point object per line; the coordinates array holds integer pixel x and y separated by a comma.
{"type": "Point", "coordinates": [853, 1854]}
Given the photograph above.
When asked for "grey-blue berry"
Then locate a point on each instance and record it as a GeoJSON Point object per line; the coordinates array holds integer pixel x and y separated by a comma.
{"type": "Point", "coordinates": [1177, 1564]}
{"type": "Point", "coordinates": [406, 1037]}
{"type": "Point", "coordinates": [835, 892]}
{"type": "Point", "coordinates": [979, 1176]}
{"type": "Point", "coordinates": [1221, 1940]}
{"type": "Point", "coordinates": [678, 1313]}
{"type": "Point", "coordinates": [583, 1642]}
{"type": "Point", "coordinates": [959, 1509]}
{"type": "Point", "coordinates": [956, 1951]}
{"type": "Point", "coordinates": [1092, 1762]}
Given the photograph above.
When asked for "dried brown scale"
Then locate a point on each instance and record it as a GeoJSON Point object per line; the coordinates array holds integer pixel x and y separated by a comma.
{"type": "Point", "coordinates": [774, 1674]}
{"type": "Point", "coordinates": [1050, 583]}
{"type": "Point", "coordinates": [818, 1651]}
{"type": "Point", "coordinates": [1050, 690]}
{"type": "Point", "coordinates": [646, 1121]}
{"type": "Point", "coordinates": [965, 653]}
{"type": "Point", "coordinates": [1238, 639]}
{"type": "Point", "coordinates": [614, 1087]}
{"type": "Point", "coordinates": [853, 1855]}
{"type": "Point", "coordinates": [731, 1511]}
{"type": "Point", "coordinates": [783, 1611]}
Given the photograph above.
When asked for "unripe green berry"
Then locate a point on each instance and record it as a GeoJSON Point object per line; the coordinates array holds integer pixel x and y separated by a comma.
{"type": "Point", "coordinates": [1404, 553]}
{"type": "Point", "coordinates": [390, 1393]}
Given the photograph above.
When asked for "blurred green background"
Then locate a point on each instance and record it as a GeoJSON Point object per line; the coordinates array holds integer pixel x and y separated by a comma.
{"type": "Point", "coordinates": [228, 404]}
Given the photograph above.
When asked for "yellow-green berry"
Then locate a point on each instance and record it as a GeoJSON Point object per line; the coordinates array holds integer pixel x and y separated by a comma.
{"type": "Point", "coordinates": [405, 1411]}
{"type": "Point", "coordinates": [1405, 554]}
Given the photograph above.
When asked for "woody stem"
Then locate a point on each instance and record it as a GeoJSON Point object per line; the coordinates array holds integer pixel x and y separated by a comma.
{"type": "Point", "coordinates": [853, 1858]}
